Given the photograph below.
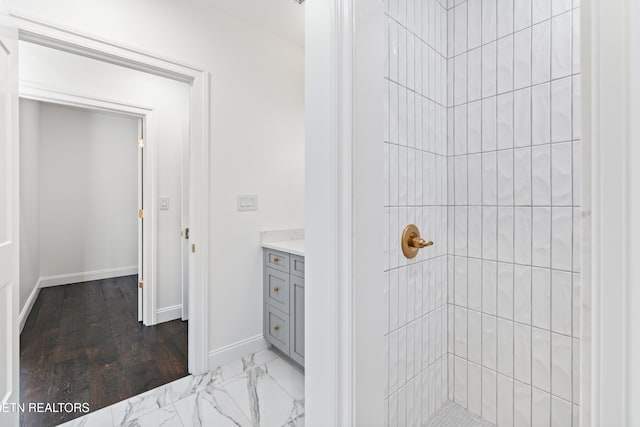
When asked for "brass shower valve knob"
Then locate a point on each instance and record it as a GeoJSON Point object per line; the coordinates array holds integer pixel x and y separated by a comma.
{"type": "Point", "coordinates": [412, 242]}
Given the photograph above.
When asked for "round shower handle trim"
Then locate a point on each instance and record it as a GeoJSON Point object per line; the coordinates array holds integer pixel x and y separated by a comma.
{"type": "Point", "coordinates": [412, 242]}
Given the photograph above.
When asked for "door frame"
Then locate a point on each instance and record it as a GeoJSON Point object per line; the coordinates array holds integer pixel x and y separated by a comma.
{"type": "Point", "coordinates": [150, 256]}
{"type": "Point", "coordinates": [610, 374]}
{"type": "Point", "coordinates": [10, 246]}
{"type": "Point", "coordinates": [57, 37]}
{"type": "Point", "coordinates": [344, 211]}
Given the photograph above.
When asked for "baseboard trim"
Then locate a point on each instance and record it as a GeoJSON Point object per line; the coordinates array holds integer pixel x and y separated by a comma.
{"type": "Point", "coordinates": [86, 276]}
{"type": "Point", "coordinates": [167, 314]}
{"type": "Point", "coordinates": [28, 306]}
{"type": "Point", "coordinates": [232, 352]}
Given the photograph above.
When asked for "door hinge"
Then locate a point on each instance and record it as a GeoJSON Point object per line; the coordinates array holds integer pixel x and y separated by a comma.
{"type": "Point", "coordinates": [186, 233]}
{"type": "Point", "coordinates": [140, 213]}
{"type": "Point", "coordinates": [141, 284]}
{"type": "Point", "coordinates": [141, 143]}
{"type": "Point", "coordinates": [193, 248]}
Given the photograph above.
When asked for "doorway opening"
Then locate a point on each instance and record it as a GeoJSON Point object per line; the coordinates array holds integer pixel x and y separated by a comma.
{"type": "Point", "coordinates": [85, 332]}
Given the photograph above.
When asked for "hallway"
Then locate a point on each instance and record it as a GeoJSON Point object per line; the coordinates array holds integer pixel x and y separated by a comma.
{"type": "Point", "coordinates": [83, 343]}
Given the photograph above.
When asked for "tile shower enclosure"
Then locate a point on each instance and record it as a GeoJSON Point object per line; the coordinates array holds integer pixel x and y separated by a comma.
{"type": "Point", "coordinates": [482, 148]}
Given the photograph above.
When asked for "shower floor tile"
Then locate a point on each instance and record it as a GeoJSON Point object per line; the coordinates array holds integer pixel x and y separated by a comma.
{"type": "Point", "coordinates": [452, 415]}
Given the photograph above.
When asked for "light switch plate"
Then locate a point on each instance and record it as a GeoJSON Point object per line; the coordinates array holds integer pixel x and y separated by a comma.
{"type": "Point", "coordinates": [247, 203]}
{"type": "Point", "coordinates": [164, 203]}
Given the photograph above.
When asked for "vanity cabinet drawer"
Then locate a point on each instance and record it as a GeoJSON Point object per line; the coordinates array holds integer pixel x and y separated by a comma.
{"type": "Point", "coordinates": [276, 289]}
{"type": "Point", "coordinates": [297, 266]}
{"type": "Point", "coordinates": [277, 260]}
{"type": "Point", "coordinates": [277, 328]}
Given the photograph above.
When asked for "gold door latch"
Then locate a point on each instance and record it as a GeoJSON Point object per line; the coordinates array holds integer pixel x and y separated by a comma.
{"type": "Point", "coordinates": [412, 242]}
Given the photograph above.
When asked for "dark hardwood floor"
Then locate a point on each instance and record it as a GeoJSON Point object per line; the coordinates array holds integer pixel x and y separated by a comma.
{"type": "Point", "coordinates": [83, 343]}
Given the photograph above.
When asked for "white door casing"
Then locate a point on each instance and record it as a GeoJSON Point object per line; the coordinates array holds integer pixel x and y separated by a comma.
{"type": "Point", "coordinates": [140, 220]}
{"type": "Point", "coordinates": [147, 228]}
{"type": "Point", "coordinates": [9, 224]}
{"type": "Point", "coordinates": [33, 30]}
{"type": "Point", "coordinates": [610, 373]}
{"type": "Point", "coordinates": [344, 328]}
{"type": "Point", "coordinates": [186, 167]}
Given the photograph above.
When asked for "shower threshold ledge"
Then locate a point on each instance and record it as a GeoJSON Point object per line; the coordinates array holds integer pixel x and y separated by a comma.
{"type": "Point", "coordinates": [452, 415]}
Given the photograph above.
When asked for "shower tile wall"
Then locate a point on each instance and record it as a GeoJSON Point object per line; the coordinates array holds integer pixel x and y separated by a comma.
{"type": "Point", "coordinates": [415, 146]}
{"type": "Point", "coordinates": [514, 207]}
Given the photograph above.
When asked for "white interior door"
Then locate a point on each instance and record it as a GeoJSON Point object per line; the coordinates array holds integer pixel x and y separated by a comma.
{"type": "Point", "coordinates": [9, 271]}
{"type": "Point", "coordinates": [140, 219]}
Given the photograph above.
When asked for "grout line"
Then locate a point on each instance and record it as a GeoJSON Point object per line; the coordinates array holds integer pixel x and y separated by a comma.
{"type": "Point", "coordinates": [513, 175]}
{"type": "Point", "coordinates": [551, 223]}
{"type": "Point", "coordinates": [530, 86]}
{"type": "Point", "coordinates": [467, 198]}
{"type": "Point", "coordinates": [481, 219]}
{"type": "Point", "coordinates": [531, 199]}
{"type": "Point", "coordinates": [571, 118]}
{"type": "Point", "coordinates": [497, 215]}
{"type": "Point", "coordinates": [520, 30]}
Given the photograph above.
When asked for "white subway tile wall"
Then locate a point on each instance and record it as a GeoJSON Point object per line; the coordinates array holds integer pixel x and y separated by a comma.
{"type": "Point", "coordinates": [415, 148]}
{"type": "Point", "coordinates": [514, 210]}
{"type": "Point", "coordinates": [482, 151]}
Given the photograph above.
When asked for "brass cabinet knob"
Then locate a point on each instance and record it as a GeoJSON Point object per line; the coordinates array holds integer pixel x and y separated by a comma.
{"type": "Point", "coordinates": [275, 328]}
{"type": "Point", "coordinates": [276, 289]}
{"type": "Point", "coordinates": [276, 259]}
{"type": "Point", "coordinates": [412, 242]}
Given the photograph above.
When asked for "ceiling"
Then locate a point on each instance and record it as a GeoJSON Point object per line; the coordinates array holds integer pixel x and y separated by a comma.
{"type": "Point", "coordinates": [284, 18]}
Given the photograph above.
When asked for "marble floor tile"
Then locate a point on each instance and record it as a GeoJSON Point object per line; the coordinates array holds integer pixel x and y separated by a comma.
{"type": "Point", "coordinates": [191, 385]}
{"type": "Point", "coordinates": [165, 417]}
{"type": "Point", "coordinates": [260, 390]}
{"type": "Point", "coordinates": [262, 400]}
{"type": "Point", "coordinates": [296, 422]}
{"type": "Point", "coordinates": [264, 356]}
{"type": "Point", "coordinates": [162, 396]}
{"type": "Point", "coordinates": [100, 418]}
{"type": "Point", "coordinates": [287, 376]}
{"type": "Point", "coordinates": [230, 371]}
{"type": "Point", "coordinates": [136, 407]}
{"type": "Point", "coordinates": [211, 407]}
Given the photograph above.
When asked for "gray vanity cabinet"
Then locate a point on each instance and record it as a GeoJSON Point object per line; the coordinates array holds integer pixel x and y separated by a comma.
{"type": "Point", "coordinates": [284, 303]}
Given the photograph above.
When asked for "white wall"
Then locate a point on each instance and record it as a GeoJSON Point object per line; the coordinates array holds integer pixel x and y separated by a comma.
{"type": "Point", "coordinates": [257, 131]}
{"type": "Point", "coordinates": [29, 199]}
{"type": "Point", "coordinates": [87, 191]}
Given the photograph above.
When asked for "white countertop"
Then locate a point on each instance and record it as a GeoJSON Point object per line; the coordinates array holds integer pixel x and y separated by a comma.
{"type": "Point", "coordinates": [295, 247]}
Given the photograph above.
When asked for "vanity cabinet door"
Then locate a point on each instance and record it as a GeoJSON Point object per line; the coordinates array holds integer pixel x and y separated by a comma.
{"type": "Point", "coordinates": [297, 266]}
{"type": "Point", "coordinates": [296, 319]}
